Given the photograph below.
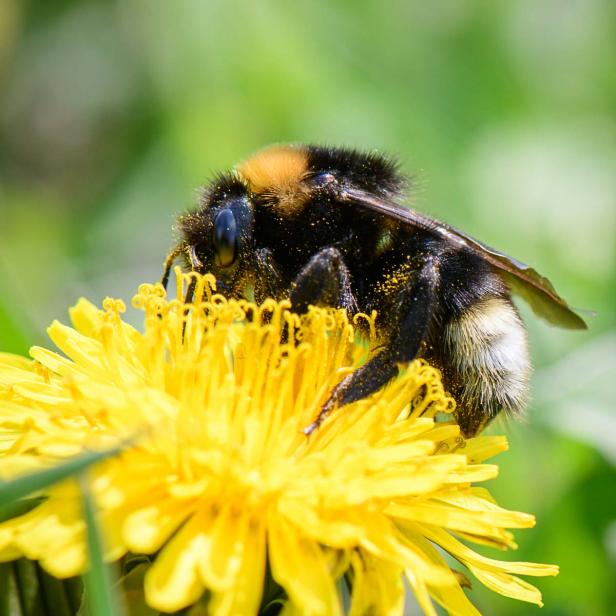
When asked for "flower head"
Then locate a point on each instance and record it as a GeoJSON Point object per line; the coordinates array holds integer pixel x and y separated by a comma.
{"type": "Point", "coordinates": [220, 483]}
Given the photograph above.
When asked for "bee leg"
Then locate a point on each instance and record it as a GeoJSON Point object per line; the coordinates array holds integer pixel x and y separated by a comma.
{"type": "Point", "coordinates": [268, 279]}
{"type": "Point", "coordinates": [169, 261]}
{"type": "Point", "coordinates": [324, 281]}
{"type": "Point", "coordinates": [415, 306]}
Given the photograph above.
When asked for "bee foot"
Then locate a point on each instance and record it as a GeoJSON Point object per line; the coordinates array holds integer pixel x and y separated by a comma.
{"type": "Point", "coordinates": [308, 430]}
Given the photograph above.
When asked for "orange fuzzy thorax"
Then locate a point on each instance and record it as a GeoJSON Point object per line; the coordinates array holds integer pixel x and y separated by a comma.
{"type": "Point", "coordinates": [277, 171]}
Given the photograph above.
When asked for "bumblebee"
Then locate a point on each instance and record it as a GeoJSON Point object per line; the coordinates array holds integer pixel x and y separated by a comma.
{"type": "Point", "coordinates": [327, 226]}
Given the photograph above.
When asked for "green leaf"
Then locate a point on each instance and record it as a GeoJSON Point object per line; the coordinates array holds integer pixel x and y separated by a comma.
{"type": "Point", "coordinates": [74, 593]}
{"type": "Point", "coordinates": [54, 593]}
{"type": "Point", "coordinates": [9, 592]}
{"type": "Point", "coordinates": [131, 586]}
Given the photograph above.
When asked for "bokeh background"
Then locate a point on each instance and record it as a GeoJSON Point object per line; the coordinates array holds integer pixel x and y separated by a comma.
{"type": "Point", "coordinates": [113, 112]}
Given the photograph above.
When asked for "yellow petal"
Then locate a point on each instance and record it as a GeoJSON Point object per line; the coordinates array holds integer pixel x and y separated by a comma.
{"type": "Point", "coordinates": [450, 596]}
{"type": "Point", "coordinates": [299, 566]}
{"type": "Point", "coordinates": [470, 557]}
{"type": "Point", "coordinates": [146, 529]}
{"type": "Point", "coordinates": [384, 540]}
{"type": "Point", "coordinates": [508, 585]}
{"type": "Point", "coordinates": [244, 596]}
{"type": "Point", "coordinates": [54, 534]}
{"type": "Point", "coordinates": [8, 548]}
{"type": "Point", "coordinates": [53, 361]}
{"type": "Point", "coordinates": [456, 518]}
{"type": "Point", "coordinates": [481, 448]}
{"type": "Point", "coordinates": [173, 581]}
{"type": "Point", "coordinates": [377, 587]}
{"type": "Point", "coordinates": [330, 526]}
{"type": "Point", "coordinates": [9, 360]}
{"type": "Point", "coordinates": [222, 553]}
{"type": "Point", "coordinates": [422, 594]}
{"type": "Point", "coordinates": [86, 318]}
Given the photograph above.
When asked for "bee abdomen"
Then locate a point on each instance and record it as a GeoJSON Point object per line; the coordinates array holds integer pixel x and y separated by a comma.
{"type": "Point", "coordinates": [488, 365]}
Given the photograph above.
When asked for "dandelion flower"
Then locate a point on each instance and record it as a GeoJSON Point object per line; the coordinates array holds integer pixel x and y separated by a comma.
{"type": "Point", "coordinates": [219, 483]}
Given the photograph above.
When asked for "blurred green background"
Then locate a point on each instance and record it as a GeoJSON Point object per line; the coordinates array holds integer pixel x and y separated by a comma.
{"type": "Point", "coordinates": [112, 113]}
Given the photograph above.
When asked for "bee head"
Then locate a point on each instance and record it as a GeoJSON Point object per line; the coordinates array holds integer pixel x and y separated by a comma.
{"type": "Point", "coordinates": [219, 237]}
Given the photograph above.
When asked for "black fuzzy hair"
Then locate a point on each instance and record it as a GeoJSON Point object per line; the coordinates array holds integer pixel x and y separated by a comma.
{"type": "Point", "coordinates": [371, 171]}
{"type": "Point", "coordinates": [222, 187]}
{"type": "Point", "coordinates": [194, 225]}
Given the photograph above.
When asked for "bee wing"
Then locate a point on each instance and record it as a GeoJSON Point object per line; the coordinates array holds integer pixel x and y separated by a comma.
{"type": "Point", "coordinates": [523, 280]}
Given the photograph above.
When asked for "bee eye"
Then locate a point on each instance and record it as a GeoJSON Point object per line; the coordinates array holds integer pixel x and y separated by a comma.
{"type": "Point", "coordinates": [225, 238]}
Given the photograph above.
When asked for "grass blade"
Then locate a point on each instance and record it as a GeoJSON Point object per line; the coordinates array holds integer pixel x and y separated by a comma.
{"type": "Point", "coordinates": [14, 489]}
{"type": "Point", "coordinates": [100, 597]}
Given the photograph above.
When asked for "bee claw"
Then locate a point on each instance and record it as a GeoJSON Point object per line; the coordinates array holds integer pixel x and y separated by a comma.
{"type": "Point", "coordinates": [308, 430]}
